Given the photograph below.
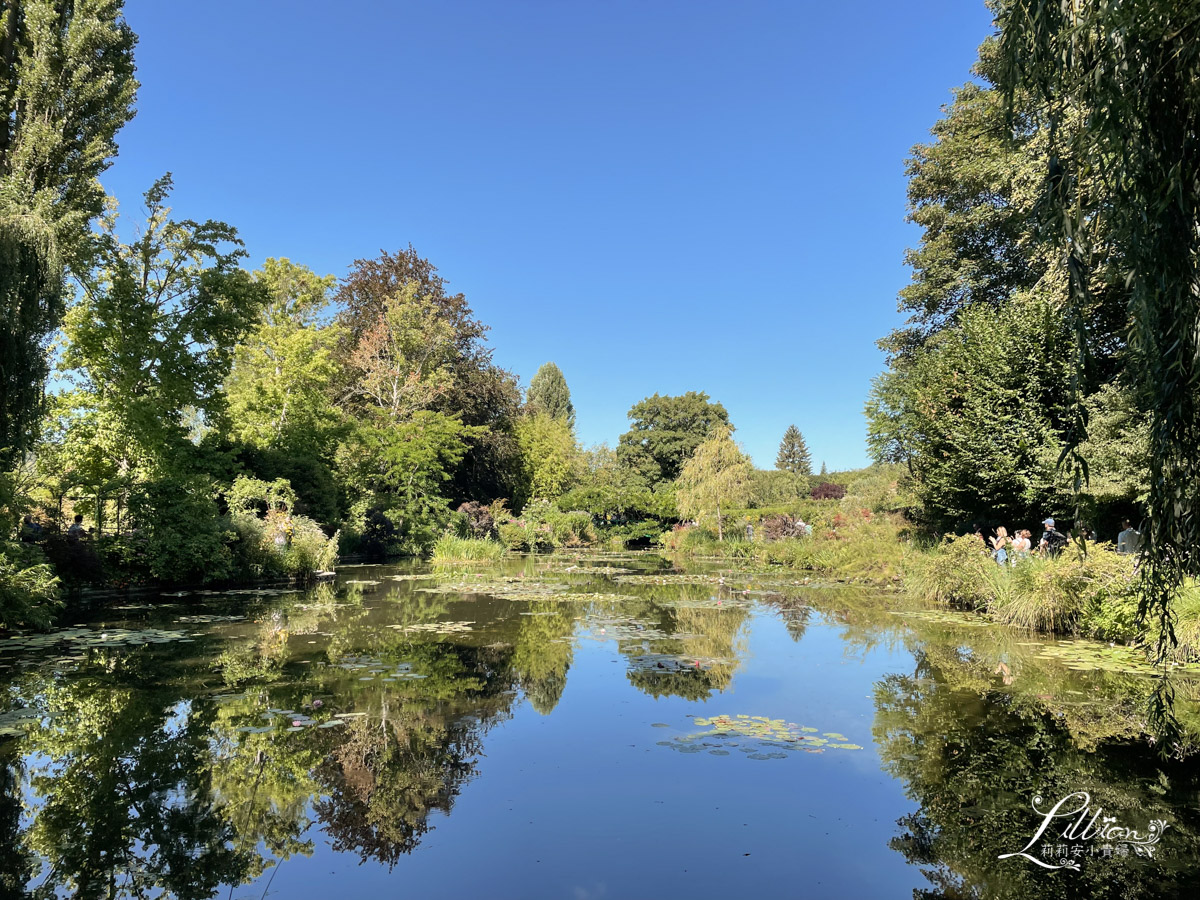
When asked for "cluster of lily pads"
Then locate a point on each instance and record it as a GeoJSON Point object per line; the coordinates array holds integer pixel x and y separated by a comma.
{"type": "Point", "coordinates": [434, 628]}
{"type": "Point", "coordinates": [674, 663]}
{"type": "Point", "coordinates": [14, 722]}
{"type": "Point", "coordinates": [208, 618]}
{"type": "Point", "coordinates": [507, 588]}
{"type": "Point", "coordinates": [376, 669]}
{"type": "Point", "coordinates": [89, 638]}
{"type": "Point", "coordinates": [943, 617]}
{"type": "Point", "coordinates": [1082, 655]}
{"type": "Point", "coordinates": [297, 721]}
{"type": "Point", "coordinates": [756, 736]}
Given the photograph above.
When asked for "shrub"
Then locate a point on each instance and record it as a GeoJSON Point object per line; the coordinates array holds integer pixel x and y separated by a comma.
{"type": "Point", "coordinates": [1040, 594]}
{"type": "Point", "coordinates": [693, 540]}
{"type": "Point", "coordinates": [541, 526]}
{"type": "Point", "coordinates": [781, 527]}
{"type": "Point", "coordinates": [280, 544]}
{"type": "Point", "coordinates": [28, 588]}
{"type": "Point", "coordinates": [185, 538]}
{"type": "Point", "coordinates": [478, 520]}
{"type": "Point", "coordinates": [827, 490]}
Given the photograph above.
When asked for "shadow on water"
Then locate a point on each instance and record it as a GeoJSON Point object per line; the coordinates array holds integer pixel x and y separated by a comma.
{"type": "Point", "coordinates": [192, 745]}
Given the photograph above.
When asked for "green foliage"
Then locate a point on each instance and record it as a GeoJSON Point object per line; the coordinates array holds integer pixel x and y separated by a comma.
{"type": "Point", "coordinates": [549, 456]}
{"type": "Point", "coordinates": [612, 492]}
{"type": "Point", "coordinates": [666, 432]}
{"type": "Point", "coordinates": [392, 298]}
{"type": "Point", "coordinates": [1117, 81]}
{"type": "Point", "coordinates": [151, 340]}
{"type": "Point", "coordinates": [542, 526]}
{"type": "Point", "coordinates": [452, 549]}
{"type": "Point", "coordinates": [954, 573]}
{"type": "Point", "coordinates": [978, 433]}
{"type": "Point", "coordinates": [281, 381]}
{"type": "Point", "coordinates": [717, 475]}
{"type": "Point", "coordinates": [28, 588]}
{"type": "Point", "coordinates": [549, 395]}
{"type": "Point", "coordinates": [255, 495]}
{"type": "Point", "coordinates": [403, 469]}
{"type": "Point", "coordinates": [66, 88]}
{"type": "Point", "coordinates": [793, 454]}
{"type": "Point", "coordinates": [185, 539]}
{"type": "Point", "coordinates": [280, 544]}
{"type": "Point", "coordinates": [30, 308]}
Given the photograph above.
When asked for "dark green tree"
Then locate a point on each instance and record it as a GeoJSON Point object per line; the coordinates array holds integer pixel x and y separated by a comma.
{"type": "Point", "coordinates": [666, 432]}
{"type": "Point", "coordinates": [549, 394]}
{"type": "Point", "coordinates": [793, 453]}
{"type": "Point", "coordinates": [66, 88]}
{"type": "Point", "coordinates": [1133, 67]}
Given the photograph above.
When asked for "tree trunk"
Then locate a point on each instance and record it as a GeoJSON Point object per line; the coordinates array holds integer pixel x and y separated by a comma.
{"type": "Point", "coordinates": [720, 530]}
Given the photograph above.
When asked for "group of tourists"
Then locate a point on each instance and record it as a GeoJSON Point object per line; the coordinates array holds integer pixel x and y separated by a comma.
{"type": "Point", "coordinates": [1008, 550]}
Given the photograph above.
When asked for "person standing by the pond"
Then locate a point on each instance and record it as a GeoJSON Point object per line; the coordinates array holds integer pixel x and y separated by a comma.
{"type": "Point", "coordinates": [1000, 545]}
{"type": "Point", "coordinates": [1022, 543]}
{"type": "Point", "coordinates": [1053, 540]}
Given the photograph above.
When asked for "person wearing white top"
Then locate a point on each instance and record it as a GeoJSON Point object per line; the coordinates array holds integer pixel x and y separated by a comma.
{"type": "Point", "coordinates": [1129, 540]}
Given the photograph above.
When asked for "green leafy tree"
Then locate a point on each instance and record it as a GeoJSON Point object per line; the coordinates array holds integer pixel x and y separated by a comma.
{"type": "Point", "coordinates": [793, 453]}
{"type": "Point", "coordinates": [549, 456]}
{"type": "Point", "coordinates": [151, 340]}
{"type": "Point", "coordinates": [279, 388]}
{"type": "Point", "coordinates": [66, 88]}
{"type": "Point", "coordinates": [666, 432]}
{"type": "Point", "coordinates": [549, 394]}
{"type": "Point", "coordinates": [974, 430]}
{"type": "Point", "coordinates": [717, 476]}
{"type": "Point", "coordinates": [470, 386]}
{"type": "Point", "coordinates": [1133, 66]}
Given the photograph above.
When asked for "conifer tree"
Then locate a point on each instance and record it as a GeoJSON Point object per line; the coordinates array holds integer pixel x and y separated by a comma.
{"type": "Point", "coordinates": [793, 453]}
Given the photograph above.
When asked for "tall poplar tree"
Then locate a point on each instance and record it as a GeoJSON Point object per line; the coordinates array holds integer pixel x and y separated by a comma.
{"type": "Point", "coordinates": [66, 88]}
{"type": "Point", "coordinates": [549, 394]}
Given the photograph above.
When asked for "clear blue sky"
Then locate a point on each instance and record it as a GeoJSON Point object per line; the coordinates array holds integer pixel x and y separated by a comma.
{"type": "Point", "coordinates": [657, 196]}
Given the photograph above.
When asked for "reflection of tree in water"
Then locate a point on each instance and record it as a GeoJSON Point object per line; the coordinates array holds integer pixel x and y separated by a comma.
{"type": "Point", "coordinates": [699, 628]}
{"type": "Point", "coordinates": [973, 761]}
{"type": "Point", "coordinates": [413, 753]}
{"type": "Point", "coordinates": [386, 777]}
{"type": "Point", "coordinates": [17, 864]}
{"type": "Point", "coordinates": [544, 652]}
{"type": "Point", "coordinates": [122, 789]}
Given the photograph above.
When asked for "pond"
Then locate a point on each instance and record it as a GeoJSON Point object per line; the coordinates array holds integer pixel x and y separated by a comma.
{"type": "Point", "coordinates": [580, 726]}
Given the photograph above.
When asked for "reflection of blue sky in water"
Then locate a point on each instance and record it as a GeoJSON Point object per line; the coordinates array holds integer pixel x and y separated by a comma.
{"type": "Point", "coordinates": [524, 763]}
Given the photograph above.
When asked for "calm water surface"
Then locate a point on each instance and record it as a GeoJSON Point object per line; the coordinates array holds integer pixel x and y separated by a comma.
{"type": "Point", "coordinates": [574, 727]}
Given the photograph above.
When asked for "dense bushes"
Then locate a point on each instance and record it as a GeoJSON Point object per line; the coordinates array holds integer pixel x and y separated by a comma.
{"type": "Point", "coordinates": [185, 539]}
{"type": "Point", "coordinates": [828, 491]}
{"type": "Point", "coordinates": [28, 587]}
{"type": "Point", "coordinates": [542, 526]}
{"type": "Point", "coordinates": [271, 541]}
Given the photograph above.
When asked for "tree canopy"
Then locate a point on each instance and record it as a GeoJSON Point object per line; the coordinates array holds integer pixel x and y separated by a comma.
{"type": "Point", "coordinates": [665, 433]}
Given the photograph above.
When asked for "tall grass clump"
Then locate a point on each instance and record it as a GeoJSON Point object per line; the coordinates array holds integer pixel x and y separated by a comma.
{"type": "Point", "coordinates": [452, 549]}
{"type": "Point", "coordinates": [1093, 594]}
{"type": "Point", "coordinates": [954, 573]}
